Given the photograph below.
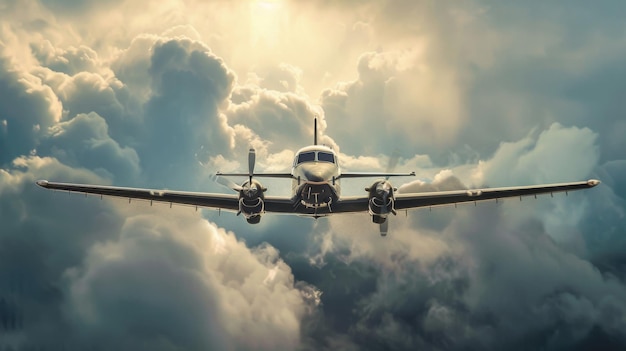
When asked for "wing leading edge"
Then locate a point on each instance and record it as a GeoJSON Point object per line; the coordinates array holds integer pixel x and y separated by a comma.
{"type": "Point", "coordinates": [416, 200]}
{"type": "Point", "coordinates": [217, 201]}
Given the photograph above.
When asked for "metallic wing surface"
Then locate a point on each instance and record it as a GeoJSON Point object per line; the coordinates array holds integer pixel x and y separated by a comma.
{"type": "Point", "coordinates": [415, 200]}
{"type": "Point", "coordinates": [349, 204]}
{"type": "Point", "coordinates": [217, 201]}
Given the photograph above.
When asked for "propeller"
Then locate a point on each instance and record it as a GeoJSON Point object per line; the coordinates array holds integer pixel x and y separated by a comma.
{"type": "Point", "coordinates": [251, 161]}
{"type": "Point", "coordinates": [384, 227]}
{"type": "Point", "coordinates": [234, 186]}
{"type": "Point", "coordinates": [228, 183]}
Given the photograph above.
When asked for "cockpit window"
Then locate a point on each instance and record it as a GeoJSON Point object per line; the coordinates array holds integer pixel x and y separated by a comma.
{"type": "Point", "coordinates": [306, 157]}
{"type": "Point", "coordinates": [326, 157]}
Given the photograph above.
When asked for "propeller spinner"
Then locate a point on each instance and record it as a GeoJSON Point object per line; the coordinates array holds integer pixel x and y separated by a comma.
{"type": "Point", "coordinates": [385, 189]}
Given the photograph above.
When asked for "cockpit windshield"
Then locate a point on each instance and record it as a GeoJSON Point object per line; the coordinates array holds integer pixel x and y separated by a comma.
{"type": "Point", "coordinates": [326, 157]}
{"type": "Point", "coordinates": [306, 157]}
{"type": "Point", "coordinates": [311, 156]}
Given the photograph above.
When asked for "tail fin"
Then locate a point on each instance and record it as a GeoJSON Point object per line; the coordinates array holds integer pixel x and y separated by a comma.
{"type": "Point", "coordinates": [315, 131]}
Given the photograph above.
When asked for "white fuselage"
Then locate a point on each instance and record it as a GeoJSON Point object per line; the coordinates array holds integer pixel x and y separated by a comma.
{"type": "Point", "coordinates": [316, 176]}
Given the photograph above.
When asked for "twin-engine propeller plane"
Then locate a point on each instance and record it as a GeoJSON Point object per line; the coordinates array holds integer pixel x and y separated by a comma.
{"type": "Point", "coordinates": [315, 178]}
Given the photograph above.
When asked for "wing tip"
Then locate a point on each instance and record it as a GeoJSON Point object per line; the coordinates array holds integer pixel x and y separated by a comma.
{"type": "Point", "coordinates": [42, 183]}
{"type": "Point", "coordinates": [593, 182]}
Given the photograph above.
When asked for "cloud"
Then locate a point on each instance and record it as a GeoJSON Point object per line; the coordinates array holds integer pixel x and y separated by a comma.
{"type": "Point", "coordinates": [27, 109]}
{"type": "Point", "coordinates": [479, 255]}
{"type": "Point", "coordinates": [546, 160]}
{"type": "Point", "coordinates": [258, 108]}
{"type": "Point", "coordinates": [245, 303]}
{"type": "Point", "coordinates": [394, 96]}
{"type": "Point", "coordinates": [71, 61]}
{"type": "Point", "coordinates": [471, 94]}
{"type": "Point", "coordinates": [84, 141]}
{"type": "Point", "coordinates": [41, 237]}
{"type": "Point", "coordinates": [109, 271]}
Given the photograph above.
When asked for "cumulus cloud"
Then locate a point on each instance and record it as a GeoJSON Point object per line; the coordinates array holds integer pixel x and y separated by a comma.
{"type": "Point", "coordinates": [27, 109]}
{"type": "Point", "coordinates": [71, 61]}
{"type": "Point", "coordinates": [227, 303]}
{"type": "Point", "coordinates": [88, 273]}
{"type": "Point", "coordinates": [84, 141]}
{"type": "Point", "coordinates": [88, 96]}
{"type": "Point", "coordinates": [397, 96]}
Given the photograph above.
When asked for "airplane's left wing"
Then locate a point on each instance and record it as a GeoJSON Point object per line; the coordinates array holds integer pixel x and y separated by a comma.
{"type": "Point", "coordinates": [374, 175]}
{"type": "Point", "coordinates": [209, 200]}
{"type": "Point", "coordinates": [258, 175]}
{"type": "Point", "coordinates": [416, 200]}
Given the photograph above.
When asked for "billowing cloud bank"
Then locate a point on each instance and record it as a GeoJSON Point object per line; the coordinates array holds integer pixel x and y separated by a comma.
{"type": "Point", "coordinates": [470, 94]}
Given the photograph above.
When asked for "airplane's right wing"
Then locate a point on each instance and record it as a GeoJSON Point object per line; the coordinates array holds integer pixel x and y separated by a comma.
{"type": "Point", "coordinates": [257, 175]}
{"type": "Point", "coordinates": [416, 200]}
{"type": "Point", "coordinates": [208, 200]}
{"type": "Point", "coordinates": [373, 175]}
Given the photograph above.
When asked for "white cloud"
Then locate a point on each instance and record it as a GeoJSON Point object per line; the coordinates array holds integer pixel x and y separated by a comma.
{"type": "Point", "coordinates": [492, 95]}
{"type": "Point", "coordinates": [559, 154]}
{"type": "Point", "coordinates": [227, 300]}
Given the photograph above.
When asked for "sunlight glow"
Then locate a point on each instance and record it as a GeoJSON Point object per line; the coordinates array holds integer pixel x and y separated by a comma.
{"type": "Point", "coordinates": [266, 22]}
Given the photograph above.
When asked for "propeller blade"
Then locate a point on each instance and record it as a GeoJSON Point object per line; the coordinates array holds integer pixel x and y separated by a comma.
{"type": "Point", "coordinates": [227, 183]}
{"type": "Point", "coordinates": [251, 161]}
{"type": "Point", "coordinates": [384, 227]}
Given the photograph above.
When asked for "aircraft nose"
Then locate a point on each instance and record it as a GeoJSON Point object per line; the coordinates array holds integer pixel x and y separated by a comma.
{"type": "Point", "coordinates": [315, 175]}
{"type": "Point", "coordinates": [319, 173]}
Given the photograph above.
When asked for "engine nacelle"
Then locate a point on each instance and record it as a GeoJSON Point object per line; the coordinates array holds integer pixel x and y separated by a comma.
{"type": "Point", "coordinates": [381, 200]}
{"type": "Point", "coordinates": [251, 201]}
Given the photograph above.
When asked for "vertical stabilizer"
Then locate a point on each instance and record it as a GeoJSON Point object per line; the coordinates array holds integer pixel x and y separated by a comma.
{"type": "Point", "coordinates": [315, 131]}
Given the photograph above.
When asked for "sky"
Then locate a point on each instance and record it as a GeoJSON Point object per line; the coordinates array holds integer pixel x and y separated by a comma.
{"type": "Point", "coordinates": [162, 94]}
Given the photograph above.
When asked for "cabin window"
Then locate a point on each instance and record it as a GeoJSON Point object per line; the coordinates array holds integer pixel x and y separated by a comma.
{"type": "Point", "coordinates": [326, 157]}
{"type": "Point", "coordinates": [306, 157]}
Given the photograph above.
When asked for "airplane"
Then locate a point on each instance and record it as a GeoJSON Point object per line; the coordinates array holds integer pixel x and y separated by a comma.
{"type": "Point", "coordinates": [316, 191]}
